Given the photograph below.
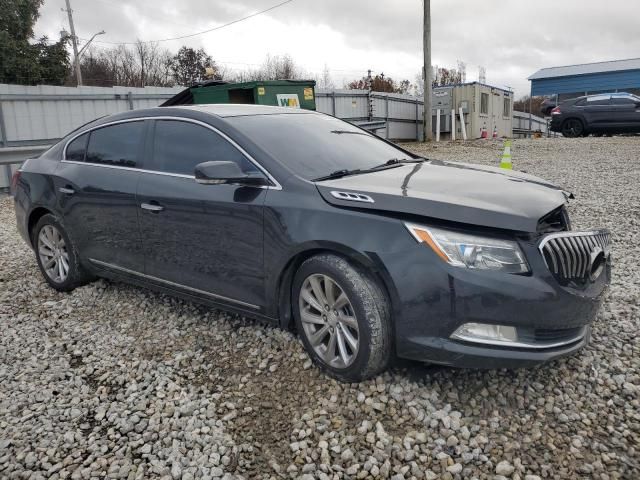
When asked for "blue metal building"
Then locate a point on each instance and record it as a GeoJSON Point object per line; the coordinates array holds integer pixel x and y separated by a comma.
{"type": "Point", "coordinates": [576, 80]}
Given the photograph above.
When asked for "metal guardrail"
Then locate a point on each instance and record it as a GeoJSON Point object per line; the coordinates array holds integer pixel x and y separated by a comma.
{"type": "Point", "coordinates": [15, 156]}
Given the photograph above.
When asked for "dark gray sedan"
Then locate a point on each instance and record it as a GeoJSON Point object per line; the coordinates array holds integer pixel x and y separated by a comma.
{"type": "Point", "coordinates": [306, 221]}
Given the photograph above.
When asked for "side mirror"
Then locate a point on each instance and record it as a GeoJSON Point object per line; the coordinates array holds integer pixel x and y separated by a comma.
{"type": "Point", "coordinates": [219, 173]}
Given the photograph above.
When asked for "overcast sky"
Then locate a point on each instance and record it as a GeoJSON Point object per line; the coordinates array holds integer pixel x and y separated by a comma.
{"type": "Point", "coordinates": [510, 38]}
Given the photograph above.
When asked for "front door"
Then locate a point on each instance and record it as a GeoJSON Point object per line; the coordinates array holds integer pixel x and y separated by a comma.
{"type": "Point", "coordinates": [96, 187]}
{"type": "Point", "coordinates": [205, 238]}
{"type": "Point", "coordinates": [626, 112]}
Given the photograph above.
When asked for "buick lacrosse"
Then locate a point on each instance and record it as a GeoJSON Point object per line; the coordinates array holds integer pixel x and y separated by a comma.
{"type": "Point", "coordinates": [294, 217]}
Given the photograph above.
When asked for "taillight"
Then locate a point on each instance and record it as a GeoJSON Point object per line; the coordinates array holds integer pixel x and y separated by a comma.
{"type": "Point", "coordinates": [14, 180]}
{"type": "Point", "coordinates": [556, 111]}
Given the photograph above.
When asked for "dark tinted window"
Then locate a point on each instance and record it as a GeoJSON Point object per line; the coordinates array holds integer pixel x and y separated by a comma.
{"type": "Point", "coordinates": [76, 148]}
{"type": "Point", "coordinates": [484, 103]}
{"type": "Point", "coordinates": [116, 145]}
{"type": "Point", "coordinates": [598, 100]}
{"type": "Point", "coordinates": [624, 100]}
{"type": "Point", "coordinates": [314, 145]}
{"type": "Point", "coordinates": [180, 146]}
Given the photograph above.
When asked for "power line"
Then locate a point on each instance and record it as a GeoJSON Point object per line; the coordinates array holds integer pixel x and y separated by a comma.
{"type": "Point", "coordinates": [203, 31]}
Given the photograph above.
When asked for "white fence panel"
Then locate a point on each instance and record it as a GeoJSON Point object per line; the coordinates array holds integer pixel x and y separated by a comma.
{"type": "Point", "coordinates": [42, 114]}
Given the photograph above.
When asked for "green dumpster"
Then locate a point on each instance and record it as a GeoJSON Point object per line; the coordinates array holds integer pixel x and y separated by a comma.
{"type": "Point", "coordinates": [283, 93]}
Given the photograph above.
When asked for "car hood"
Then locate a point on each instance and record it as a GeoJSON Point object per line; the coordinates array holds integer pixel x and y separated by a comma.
{"type": "Point", "coordinates": [457, 192]}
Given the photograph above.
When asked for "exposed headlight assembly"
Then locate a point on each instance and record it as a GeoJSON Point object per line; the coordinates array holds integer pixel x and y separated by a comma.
{"type": "Point", "coordinates": [471, 251]}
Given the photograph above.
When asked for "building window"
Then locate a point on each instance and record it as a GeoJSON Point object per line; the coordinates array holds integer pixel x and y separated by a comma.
{"type": "Point", "coordinates": [484, 103]}
{"type": "Point", "coordinates": [507, 108]}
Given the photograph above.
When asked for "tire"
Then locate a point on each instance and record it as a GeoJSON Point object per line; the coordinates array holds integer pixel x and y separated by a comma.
{"type": "Point", "coordinates": [52, 245]}
{"type": "Point", "coordinates": [365, 317]}
{"type": "Point", "coordinates": [572, 128]}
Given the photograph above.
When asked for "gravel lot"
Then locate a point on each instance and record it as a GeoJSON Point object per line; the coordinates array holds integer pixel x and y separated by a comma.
{"type": "Point", "coordinates": [119, 382]}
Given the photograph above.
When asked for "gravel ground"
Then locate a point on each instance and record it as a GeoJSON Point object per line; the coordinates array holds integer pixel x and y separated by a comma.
{"type": "Point", "coordinates": [119, 382]}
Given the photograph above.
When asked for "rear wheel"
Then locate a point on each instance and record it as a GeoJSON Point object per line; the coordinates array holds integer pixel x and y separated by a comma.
{"type": "Point", "coordinates": [572, 128]}
{"type": "Point", "coordinates": [57, 256]}
{"type": "Point", "coordinates": [342, 315]}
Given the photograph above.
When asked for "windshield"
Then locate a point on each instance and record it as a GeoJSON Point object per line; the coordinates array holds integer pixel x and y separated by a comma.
{"type": "Point", "coordinates": [313, 145]}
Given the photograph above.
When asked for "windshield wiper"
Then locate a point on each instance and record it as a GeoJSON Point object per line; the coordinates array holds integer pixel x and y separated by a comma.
{"type": "Point", "coordinates": [349, 132]}
{"type": "Point", "coordinates": [398, 161]}
{"type": "Point", "coordinates": [339, 174]}
{"type": "Point", "coordinates": [392, 163]}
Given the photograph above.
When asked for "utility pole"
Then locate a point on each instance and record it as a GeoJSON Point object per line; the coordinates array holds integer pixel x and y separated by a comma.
{"type": "Point", "coordinates": [427, 128]}
{"type": "Point", "coordinates": [74, 41]}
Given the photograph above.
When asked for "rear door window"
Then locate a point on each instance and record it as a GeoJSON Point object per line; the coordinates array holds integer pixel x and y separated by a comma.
{"type": "Point", "coordinates": [179, 146]}
{"type": "Point", "coordinates": [598, 100]}
{"type": "Point", "coordinates": [118, 145]}
{"type": "Point", "coordinates": [77, 148]}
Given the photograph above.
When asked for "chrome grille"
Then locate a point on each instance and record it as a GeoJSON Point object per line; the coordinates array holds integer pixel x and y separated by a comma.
{"type": "Point", "coordinates": [571, 255]}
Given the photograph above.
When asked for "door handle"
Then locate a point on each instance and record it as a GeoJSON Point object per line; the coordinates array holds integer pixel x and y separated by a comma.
{"type": "Point", "coordinates": [67, 190]}
{"type": "Point", "coordinates": [151, 207]}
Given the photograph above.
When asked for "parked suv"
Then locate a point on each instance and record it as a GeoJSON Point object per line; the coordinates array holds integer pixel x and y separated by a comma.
{"type": "Point", "coordinates": [598, 114]}
{"type": "Point", "coordinates": [306, 221]}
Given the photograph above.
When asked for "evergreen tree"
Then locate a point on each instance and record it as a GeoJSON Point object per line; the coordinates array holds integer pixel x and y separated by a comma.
{"type": "Point", "coordinates": [22, 60]}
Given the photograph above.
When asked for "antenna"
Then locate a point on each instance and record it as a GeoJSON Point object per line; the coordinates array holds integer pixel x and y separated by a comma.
{"type": "Point", "coordinates": [462, 69]}
{"type": "Point", "coordinates": [482, 74]}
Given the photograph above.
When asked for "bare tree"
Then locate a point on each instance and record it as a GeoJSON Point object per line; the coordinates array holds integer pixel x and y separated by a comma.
{"type": "Point", "coordinates": [144, 64]}
{"type": "Point", "coordinates": [381, 83]}
{"type": "Point", "coordinates": [325, 80]}
{"type": "Point", "coordinates": [277, 67]}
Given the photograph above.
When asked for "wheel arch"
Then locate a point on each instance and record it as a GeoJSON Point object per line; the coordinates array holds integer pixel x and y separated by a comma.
{"type": "Point", "coordinates": [367, 261]}
{"type": "Point", "coordinates": [34, 216]}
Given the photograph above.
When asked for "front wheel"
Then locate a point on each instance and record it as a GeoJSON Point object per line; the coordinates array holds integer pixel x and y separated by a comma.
{"type": "Point", "coordinates": [57, 256]}
{"type": "Point", "coordinates": [572, 128]}
{"type": "Point", "coordinates": [342, 316]}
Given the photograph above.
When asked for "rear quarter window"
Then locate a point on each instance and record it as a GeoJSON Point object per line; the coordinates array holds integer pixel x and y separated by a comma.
{"type": "Point", "coordinates": [118, 145]}
{"type": "Point", "coordinates": [77, 148]}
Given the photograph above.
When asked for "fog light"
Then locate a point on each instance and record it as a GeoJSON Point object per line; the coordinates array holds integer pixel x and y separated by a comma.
{"type": "Point", "coordinates": [485, 333]}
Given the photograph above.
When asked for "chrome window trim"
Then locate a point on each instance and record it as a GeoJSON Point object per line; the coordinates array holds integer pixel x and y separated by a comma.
{"type": "Point", "coordinates": [173, 284]}
{"type": "Point", "coordinates": [117, 167]}
{"type": "Point", "coordinates": [276, 185]}
{"type": "Point", "coordinates": [519, 344]}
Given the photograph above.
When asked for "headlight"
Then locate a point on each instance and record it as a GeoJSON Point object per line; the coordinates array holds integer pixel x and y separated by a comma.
{"type": "Point", "coordinates": [472, 251]}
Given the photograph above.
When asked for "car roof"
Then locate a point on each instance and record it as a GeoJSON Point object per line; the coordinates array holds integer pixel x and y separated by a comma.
{"type": "Point", "coordinates": [220, 111]}
{"type": "Point", "coordinates": [238, 110]}
{"type": "Point", "coordinates": [611, 94]}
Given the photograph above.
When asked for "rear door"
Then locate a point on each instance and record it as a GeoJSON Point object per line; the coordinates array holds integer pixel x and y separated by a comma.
{"type": "Point", "coordinates": [207, 239]}
{"type": "Point", "coordinates": [597, 111]}
{"type": "Point", "coordinates": [96, 186]}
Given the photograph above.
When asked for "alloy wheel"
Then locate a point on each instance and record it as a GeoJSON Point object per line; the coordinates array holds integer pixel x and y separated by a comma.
{"type": "Point", "coordinates": [572, 128]}
{"type": "Point", "coordinates": [53, 253]}
{"type": "Point", "coordinates": [329, 321]}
